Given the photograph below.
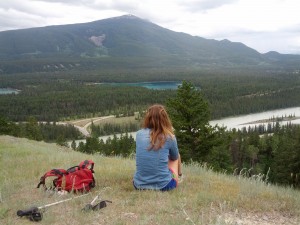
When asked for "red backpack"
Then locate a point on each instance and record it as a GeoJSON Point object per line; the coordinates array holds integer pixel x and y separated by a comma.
{"type": "Point", "coordinates": [77, 178]}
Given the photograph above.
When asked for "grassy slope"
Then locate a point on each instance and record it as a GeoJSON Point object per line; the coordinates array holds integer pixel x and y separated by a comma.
{"type": "Point", "coordinates": [204, 197]}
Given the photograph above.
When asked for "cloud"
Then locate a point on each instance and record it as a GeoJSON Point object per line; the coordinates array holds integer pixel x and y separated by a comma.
{"type": "Point", "coordinates": [16, 15]}
{"type": "Point", "coordinates": [195, 6]}
{"type": "Point", "coordinates": [283, 41]}
{"type": "Point", "coordinates": [121, 5]}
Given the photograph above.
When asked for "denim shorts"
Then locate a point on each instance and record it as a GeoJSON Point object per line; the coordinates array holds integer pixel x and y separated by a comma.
{"type": "Point", "coordinates": [172, 184]}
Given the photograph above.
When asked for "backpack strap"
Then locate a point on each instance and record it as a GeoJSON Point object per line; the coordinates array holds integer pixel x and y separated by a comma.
{"type": "Point", "coordinates": [73, 169]}
{"type": "Point", "coordinates": [86, 164]}
{"type": "Point", "coordinates": [52, 173]}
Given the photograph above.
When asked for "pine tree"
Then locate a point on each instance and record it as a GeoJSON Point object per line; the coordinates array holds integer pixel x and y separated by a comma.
{"type": "Point", "coordinates": [73, 145]}
{"type": "Point", "coordinates": [5, 127]}
{"type": "Point", "coordinates": [32, 129]}
{"type": "Point", "coordinates": [190, 114]}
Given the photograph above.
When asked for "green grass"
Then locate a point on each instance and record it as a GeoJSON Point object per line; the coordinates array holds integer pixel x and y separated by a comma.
{"type": "Point", "coordinates": [204, 197]}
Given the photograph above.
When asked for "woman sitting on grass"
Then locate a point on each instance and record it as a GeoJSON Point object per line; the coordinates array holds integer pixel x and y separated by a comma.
{"type": "Point", "coordinates": [158, 162]}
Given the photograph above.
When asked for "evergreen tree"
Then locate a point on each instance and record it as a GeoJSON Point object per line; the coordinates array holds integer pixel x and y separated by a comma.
{"type": "Point", "coordinates": [219, 158]}
{"type": "Point", "coordinates": [32, 129]}
{"type": "Point", "coordinates": [285, 165]}
{"type": "Point", "coordinates": [5, 126]}
{"type": "Point", "coordinates": [81, 147]}
{"type": "Point", "coordinates": [73, 145]}
{"type": "Point", "coordinates": [61, 140]}
{"type": "Point", "coordinates": [91, 145]}
{"type": "Point", "coordinates": [189, 112]}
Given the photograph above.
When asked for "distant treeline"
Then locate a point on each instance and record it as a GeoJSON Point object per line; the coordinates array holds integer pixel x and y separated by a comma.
{"type": "Point", "coordinates": [108, 128]}
{"type": "Point", "coordinates": [275, 157]}
{"type": "Point", "coordinates": [62, 95]}
{"type": "Point", "coordinates": [34, 130]}
{"type": "Point", "coordinates": [115, 146]}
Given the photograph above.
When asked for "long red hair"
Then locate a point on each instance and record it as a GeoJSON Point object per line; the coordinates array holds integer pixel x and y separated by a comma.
{"type": "Point", "coordinates": [158, 121]}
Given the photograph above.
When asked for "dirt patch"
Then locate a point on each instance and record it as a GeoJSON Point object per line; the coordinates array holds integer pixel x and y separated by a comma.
{"type": "Point", "coordinates": [274, 218]}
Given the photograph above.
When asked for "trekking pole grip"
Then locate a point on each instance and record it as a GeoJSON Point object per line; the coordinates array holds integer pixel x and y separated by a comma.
{"type": "Point", "coordinates": [33, 213]}
{"type": "Point", "coordinates": [27, 212]}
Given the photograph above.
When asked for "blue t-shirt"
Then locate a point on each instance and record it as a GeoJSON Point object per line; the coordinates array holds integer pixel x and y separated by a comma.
{"type": "Point", "coordinates": [152, 170]}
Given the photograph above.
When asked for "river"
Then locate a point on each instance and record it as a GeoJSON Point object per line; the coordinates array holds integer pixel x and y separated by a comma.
{"type": "Point", "coordinates": [239, 122]}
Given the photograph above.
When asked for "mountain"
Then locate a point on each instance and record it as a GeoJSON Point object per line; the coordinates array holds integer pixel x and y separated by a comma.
{"type": "Point", "coordinates": [125, 41]}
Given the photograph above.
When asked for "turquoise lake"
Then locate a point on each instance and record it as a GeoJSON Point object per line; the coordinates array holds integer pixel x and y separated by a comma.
{"type": "Point", "coordinates": [162, 85]}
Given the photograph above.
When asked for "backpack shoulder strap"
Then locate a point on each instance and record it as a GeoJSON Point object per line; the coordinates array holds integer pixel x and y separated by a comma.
{"type": "Point", "coordinates": [52, 173]}
{"type": "Point", "coordinates": [87, 164]}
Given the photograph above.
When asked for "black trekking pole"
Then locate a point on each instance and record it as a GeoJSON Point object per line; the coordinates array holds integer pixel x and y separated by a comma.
{"type": "Point", "coordinates": [33, 213]}
{"type": "Point", "coordinates": [90, 205]}
{"type": "Point", "coordinates": [93, 206]}
{"type": "Point", "coordinates": [36, 213]}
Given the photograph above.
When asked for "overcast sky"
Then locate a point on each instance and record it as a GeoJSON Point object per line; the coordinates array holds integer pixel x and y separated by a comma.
{"type": "Point", "coordinates": [264, 25]}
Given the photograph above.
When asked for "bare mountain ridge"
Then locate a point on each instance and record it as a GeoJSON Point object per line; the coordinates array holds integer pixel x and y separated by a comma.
{"type": "Point", "coordinates": [125, 41]}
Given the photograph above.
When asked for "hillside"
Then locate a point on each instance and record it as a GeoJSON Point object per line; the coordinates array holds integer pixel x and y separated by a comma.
{"type": "Point", "coordinates": [124, 42]}
{"type": "Point", "coordinates": [204, 197]}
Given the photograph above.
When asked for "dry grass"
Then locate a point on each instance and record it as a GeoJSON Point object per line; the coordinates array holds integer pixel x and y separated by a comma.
{"type": "Point", "coordinates": [204, 197]}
